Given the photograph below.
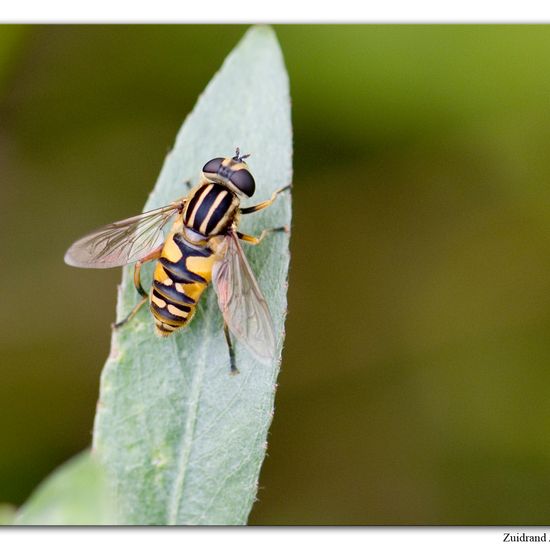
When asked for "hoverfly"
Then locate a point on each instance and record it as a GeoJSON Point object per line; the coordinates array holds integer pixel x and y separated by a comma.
{"type": "Point", "coordinates": [202, 247]}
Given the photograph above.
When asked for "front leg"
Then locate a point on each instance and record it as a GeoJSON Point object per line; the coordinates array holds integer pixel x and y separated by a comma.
{"type": "Point", "coordinates": [265, 204]}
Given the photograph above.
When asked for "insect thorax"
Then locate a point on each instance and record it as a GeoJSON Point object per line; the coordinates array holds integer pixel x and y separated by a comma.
{"type": "Point", "coordinates": [210, 209]}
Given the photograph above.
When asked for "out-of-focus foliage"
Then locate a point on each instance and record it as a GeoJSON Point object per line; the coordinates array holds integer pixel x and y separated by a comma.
{"type": "Point", "coordinates": [11, 38]}
{"type": "Point", "coordinates": [415, 369]}
{"type": "Point", "coordinates": [75, 494]}
{"type": "Point", "coordinates": [7, 513]}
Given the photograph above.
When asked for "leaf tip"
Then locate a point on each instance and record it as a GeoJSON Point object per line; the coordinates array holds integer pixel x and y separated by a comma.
{"type": "Point", "coordinates": [261, 32]}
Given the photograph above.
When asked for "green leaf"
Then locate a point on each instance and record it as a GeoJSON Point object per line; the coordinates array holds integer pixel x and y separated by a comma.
{"type": "Point", "coordinates": [7, 513]}
{"type": "Point", "coordinates": [77, 493]}
{"type": "Point", "coordinates": [183, 440]}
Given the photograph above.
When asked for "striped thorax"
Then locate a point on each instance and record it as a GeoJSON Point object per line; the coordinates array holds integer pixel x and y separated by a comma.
{"type": "Point", "coordinates": [210, 209]}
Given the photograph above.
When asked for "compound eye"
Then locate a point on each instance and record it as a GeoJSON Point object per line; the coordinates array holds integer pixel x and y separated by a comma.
{"type": "Point", "coordinates": [212, 166]}
{"type": "Point", "coordinates": [244, 182]}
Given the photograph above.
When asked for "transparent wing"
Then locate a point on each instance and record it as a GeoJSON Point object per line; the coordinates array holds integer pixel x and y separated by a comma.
{"type": "Point", "coordinates": [243, 306]}
{"type": "Point", "coordinates": [122, 242]}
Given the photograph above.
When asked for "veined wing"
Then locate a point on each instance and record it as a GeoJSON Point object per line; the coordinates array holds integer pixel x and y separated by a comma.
{"type": "Point", "coordinates": [242, 304]}
{"type": "Point", "coordinates": [122, 242]}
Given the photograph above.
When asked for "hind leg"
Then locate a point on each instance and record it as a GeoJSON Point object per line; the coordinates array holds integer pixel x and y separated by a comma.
{"type": "Point", "coordinates": [132, 313]}
{"type": "Point", "coordinates": [232, 362]}
{"type": "Point", "coordinates": [257, 240]}
{"type": "Point", "coordinates": [139, 287]}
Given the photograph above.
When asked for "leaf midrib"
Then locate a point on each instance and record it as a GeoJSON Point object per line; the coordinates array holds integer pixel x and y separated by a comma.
{"type": "Point", "coordinates": [188, 436]}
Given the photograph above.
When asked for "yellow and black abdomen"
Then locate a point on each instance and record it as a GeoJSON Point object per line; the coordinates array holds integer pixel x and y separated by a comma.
{"type": "Point", "coordinates": [184, 269]}
{"type": "Point", "coordinates": [181, 275]}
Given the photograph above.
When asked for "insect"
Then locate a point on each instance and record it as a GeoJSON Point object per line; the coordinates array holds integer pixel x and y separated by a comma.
{"type": "Point", "coordinates": [202, 246]}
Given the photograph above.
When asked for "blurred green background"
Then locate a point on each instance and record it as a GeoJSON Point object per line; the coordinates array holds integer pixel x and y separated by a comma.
{"type": "Point", "coordinates": [416, 370]}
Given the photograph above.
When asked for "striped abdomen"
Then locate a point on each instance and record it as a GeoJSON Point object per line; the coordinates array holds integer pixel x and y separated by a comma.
{"type": "Point", "coordinates": [210, 209]}
{"type": "Point", "coordinates": [181, 275]}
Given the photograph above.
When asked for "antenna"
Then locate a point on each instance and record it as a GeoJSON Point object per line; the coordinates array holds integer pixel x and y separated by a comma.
{"type": "Point", "coordinates": [238, 157]}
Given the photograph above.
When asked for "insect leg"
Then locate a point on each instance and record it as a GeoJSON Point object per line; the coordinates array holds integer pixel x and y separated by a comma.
{"type": "Point", "coordinates": [137, 283]}
{"type": "Point", "coordinates": [266, 203]}
{"type": "Point", "coordinates": [130, 315]}
{"type": "Point", "coordinates": [234, 369]}
{"type": "Point", "coordinates": [257, 240]}
{"type": "Point", "coordinates": [153, 255]}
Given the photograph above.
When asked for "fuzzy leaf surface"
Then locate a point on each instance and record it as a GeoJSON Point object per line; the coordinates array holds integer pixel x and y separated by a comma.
{"type": "Point", "coordinates": [182, 440]}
